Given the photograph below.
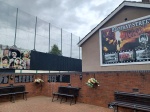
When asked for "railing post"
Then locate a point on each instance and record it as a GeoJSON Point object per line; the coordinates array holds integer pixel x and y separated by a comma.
{"type": "Point", "coordinates": [79, 48]}
{"type": "Point", "coordinates": [71, 47]}
{"type": "Point", "coordinates": [49, 37]}
{"type": "Point", "coordinates": [35, 34]}
{"type": "Point", "coordinates": [16, 28]}
{"type": "Point", "coordinates": [61, 40]}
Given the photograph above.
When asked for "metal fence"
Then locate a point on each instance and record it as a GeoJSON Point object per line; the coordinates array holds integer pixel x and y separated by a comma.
{"type": "Point", "coordinates": [18, 28]}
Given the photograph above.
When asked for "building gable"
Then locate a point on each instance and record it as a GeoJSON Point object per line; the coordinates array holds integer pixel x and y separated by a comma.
{"type": "Point", "coordinates": [124, 11]}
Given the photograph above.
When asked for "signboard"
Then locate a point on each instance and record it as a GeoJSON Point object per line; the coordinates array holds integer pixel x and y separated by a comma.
{"type": "Point", "coordinates": [23, 78]}
{"type": "Point", "coordinates": [126, 43]}
{"type": "Point", "coordinates": [59, 78]}
{"type": "Point", "coordinates": [12, 58]}
{"type": "Point", "coordinates": [4, 79]}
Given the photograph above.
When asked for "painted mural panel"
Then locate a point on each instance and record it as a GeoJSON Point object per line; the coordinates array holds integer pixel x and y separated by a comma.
{"type": "Point", "coordinates": [126, 43]}
{"type": "Point", "coordinates": [12, 58]}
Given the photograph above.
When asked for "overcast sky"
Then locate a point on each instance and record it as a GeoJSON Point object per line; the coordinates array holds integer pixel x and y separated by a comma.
{"type": "Point", "coordinates": [75, 16]}
{"type": "Point", "coordinates": [78, 17]}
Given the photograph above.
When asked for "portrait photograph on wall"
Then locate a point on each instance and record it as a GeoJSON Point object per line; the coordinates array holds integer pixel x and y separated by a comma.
{"type": "Point", "coordinates": [126, 43]}
{"type": "Point", "coordinates": [12, 58]}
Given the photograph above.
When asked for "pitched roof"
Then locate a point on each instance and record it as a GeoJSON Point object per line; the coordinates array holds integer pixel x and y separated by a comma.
{"type": "Point", "coordinates": [123, 4]}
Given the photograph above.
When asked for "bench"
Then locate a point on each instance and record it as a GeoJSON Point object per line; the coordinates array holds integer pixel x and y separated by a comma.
{"type": "Point", "coordinates": [133, 101]}
{"type": "Point", "coordinates": [12, 91]}
{"type": "Point", "coordinates": [65, 92]}
{"type": "Point", "coordinates": [7, 91]}
{"type": "Point", "coordinates": [20, 90]}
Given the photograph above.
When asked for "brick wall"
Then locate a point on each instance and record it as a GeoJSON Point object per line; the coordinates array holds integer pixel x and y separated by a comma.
{"type": "Point", "coordinates": [101, 95]}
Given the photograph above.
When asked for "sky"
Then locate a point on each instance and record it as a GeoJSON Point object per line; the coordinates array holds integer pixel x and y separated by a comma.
{"type": "Point", "coordinates": [75, 16]}
{"type": "Point", "coordinates": [78, 17]}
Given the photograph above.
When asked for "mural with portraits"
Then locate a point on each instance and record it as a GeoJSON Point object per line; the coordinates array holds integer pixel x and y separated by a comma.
{"type": "Point", "coordinates": [12, 58]}
{"type": "Point", "coordinates": [126, 43]}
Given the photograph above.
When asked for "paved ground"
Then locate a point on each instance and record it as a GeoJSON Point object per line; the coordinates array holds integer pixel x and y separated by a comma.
{"type": "Point", "coordinates": [44, 104]}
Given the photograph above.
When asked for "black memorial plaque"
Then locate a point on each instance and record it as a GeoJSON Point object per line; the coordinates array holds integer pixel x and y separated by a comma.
{"type": "Point", "coordinates": [59, 78]}
{"type": "Point", "coordinates": [23, 78]}
{"type": "Point", "coordinates": [4, 79]}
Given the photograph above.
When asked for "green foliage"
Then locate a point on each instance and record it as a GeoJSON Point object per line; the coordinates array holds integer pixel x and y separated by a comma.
{"type": "Point", "coordinates": [55, 50]}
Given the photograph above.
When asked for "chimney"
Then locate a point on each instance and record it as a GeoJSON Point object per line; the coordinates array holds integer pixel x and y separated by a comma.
{"type": "Point", "coordinates": [146, 1]}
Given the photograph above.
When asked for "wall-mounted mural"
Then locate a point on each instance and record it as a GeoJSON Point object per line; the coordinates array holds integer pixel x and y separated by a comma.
{"type": "Point", "coordinates": [126, 43]}
{"type": "Point", "coordinates": [15, 58]}
{"type": "Point", "coordinates": [12, 58]}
